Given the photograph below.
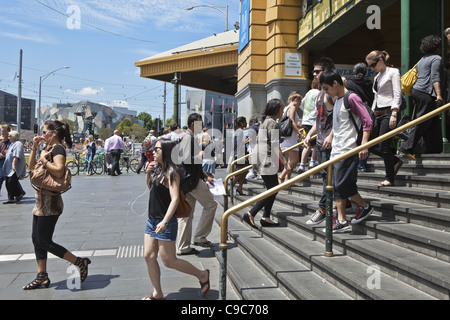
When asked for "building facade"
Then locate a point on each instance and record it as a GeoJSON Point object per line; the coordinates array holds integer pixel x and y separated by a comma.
{"type": "Point", "coordinates": [8, 110]}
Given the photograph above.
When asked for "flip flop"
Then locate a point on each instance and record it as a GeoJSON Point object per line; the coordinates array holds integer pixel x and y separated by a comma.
{"type": "Point", "coordinates": [151, 297]}
{"type": "Point", "coordinates": [204, 284]}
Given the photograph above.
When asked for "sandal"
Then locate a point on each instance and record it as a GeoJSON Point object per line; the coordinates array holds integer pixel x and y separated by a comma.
{"type": "Point", "coordinates": [83, 263]}
{"type": "Point", "coordinates": [385, 184]}
{"type": "Point", "coordinates": [205, 284]}
{"type": "Point", "coordinates": [151, 297]}
{"type": "Point", "coordinates": [41, 280]}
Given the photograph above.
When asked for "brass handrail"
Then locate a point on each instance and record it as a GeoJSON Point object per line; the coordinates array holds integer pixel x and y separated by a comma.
{"type": "Point", "coordinates": [326, 165]}
{"type": "Point", "coordinates": [245, 169]}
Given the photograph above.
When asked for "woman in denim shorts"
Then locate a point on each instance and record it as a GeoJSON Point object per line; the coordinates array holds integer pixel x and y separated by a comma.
{"type": "Point", "coordinates": [163, 181]}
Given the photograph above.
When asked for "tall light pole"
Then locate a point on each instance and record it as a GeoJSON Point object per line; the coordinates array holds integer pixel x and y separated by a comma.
{"type": "Point", "coordinates": [41, 79]}
{"type": "Point", "coordinates": [214, 7]}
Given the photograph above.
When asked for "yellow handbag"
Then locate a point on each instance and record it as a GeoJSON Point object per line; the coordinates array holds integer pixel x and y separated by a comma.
{"type": "Point", "coordinates": [408, 80]}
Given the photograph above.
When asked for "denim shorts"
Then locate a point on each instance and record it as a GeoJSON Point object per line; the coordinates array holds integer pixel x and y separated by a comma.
{"type": "Point", "coordinates": [170, 233]}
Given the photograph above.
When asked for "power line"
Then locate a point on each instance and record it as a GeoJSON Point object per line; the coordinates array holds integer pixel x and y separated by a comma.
{"type": "Point", "coordinates": [95, 27]}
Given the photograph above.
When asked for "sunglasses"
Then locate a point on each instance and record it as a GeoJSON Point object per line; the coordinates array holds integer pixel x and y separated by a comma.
{"type": "Point", "coordinates": [317, 71]}
{"type": "Point", "coordinates": [156, 148]}
{"type": "Point", "coordinates": [44, 132]}
{"type": "Point", "coordinates": [373, 65]}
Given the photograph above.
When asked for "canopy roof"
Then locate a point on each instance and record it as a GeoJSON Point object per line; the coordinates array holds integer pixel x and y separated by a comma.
{"type": "Point", "coordinates": [208, 64]}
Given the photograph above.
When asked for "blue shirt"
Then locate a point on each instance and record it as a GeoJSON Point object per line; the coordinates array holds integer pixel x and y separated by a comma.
{"type": "Point", "coordinates": [15, 150]}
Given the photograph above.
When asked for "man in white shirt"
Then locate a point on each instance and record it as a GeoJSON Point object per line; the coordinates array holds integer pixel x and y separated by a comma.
{"type": "Point", "coordinates": [114, 146]}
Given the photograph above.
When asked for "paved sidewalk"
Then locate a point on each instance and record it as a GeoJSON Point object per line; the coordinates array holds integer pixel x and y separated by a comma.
{"type": "Point", "coordinates": [104, 218]}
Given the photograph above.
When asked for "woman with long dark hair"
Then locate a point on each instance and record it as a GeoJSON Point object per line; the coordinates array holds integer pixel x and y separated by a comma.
{"type": "Point", "coordinates": [161, 229]}
{"type": "Point", "coordinates": [49, 207]}
{"type": "Point", "coordinates": [265, 160]}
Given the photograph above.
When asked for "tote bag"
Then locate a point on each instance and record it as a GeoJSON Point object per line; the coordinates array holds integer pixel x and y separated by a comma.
{"type": "Point", "coordinates": [184, 208]}
{"type": "Point", "coordinates": [285, 124]}
{"type": "Point", "coordinates": [408, 80]}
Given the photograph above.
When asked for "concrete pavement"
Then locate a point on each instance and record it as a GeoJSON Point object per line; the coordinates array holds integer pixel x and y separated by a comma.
{"type": "Point", "coordinates": [104, 219]}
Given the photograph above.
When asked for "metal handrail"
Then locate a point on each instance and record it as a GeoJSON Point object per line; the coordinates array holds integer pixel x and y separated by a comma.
{"type": "Point", "coordinates": [245, 169]}
{"type": "Point", "coordinates": [326, 165]}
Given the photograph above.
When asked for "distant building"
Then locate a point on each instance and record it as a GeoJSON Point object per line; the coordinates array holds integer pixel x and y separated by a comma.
{"type": "Point", "coordinates": [86, 113]}
{"type": "Point", "coordinates": [8, 110]}
{"type": "Point", "coordinates": [218, 110]}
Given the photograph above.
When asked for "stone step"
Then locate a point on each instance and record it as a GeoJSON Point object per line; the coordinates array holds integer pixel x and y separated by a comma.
{"type": "Point", "coordinates": [299, 265]}
{"type": "Point", "coordinates": [423, 228]}
{"type": "Point", "coordinates": [296, 280]}
{"type": "Point", "coordinates": [393, 203]}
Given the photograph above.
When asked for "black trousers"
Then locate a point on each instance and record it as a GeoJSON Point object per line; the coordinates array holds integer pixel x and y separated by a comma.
{"type": "Point", "coordinates": [384, 149]}
{"type": "Point", "coordinates": [430, 130]}
{"type": "Point", "coordinates": [13, 187]}
{"type": "Point", "coordinates": [115, 155]}
{"type": "Point", "coordinates": [42, 235]}
{"type": "Point", "coordinates": [267, 203]}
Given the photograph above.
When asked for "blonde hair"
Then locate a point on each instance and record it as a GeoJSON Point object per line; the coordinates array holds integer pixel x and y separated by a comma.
{"type": "Point", "coordinates": [14, 134]}
{"type": "Point", "coordinates": [377, 55]}
{"type": "Point", "coordinates": [206, 139]}
{"type": "Point", "coordinates": [294, 95]}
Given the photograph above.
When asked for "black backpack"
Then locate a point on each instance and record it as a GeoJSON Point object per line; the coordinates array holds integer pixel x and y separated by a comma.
{"type": "Point", "coordinates": [375, 129]}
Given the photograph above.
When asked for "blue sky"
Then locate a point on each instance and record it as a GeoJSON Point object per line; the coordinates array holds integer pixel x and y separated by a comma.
{"type": "Point", "coordinates": [102, 50]}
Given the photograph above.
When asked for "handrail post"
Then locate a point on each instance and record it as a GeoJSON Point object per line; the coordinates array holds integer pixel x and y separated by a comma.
{"type": "Point", "coordinates": [329, 213]}
{"type": "Point", "coordinates": [223, 272]}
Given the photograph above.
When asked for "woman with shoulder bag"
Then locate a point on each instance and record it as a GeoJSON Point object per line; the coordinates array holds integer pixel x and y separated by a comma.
{"type": "Point", "coordinates": [266, 161]}
{"type": "Point", "coordinates": [427, 95]}
{"type": "Point", "coordinates": [386, 106]}
{"type": "Point", "coordinates": [48, 207]}
{"type": "Point", "coordinates": [294, 101]}
{"type": "Point", "coordinates": [163, 180]}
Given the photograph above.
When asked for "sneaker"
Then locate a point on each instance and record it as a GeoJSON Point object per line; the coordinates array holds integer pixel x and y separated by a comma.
{"type": "Point", "coordinates": [338, 227]}
{"type": "Point", "coordinates": [301, 169]}
{"type": "Point", "coordinates": [362, 214]}
{"type": "Point", "coordinates": [250, 175]}
{"type": "Point", "coordinates": [317, 217]}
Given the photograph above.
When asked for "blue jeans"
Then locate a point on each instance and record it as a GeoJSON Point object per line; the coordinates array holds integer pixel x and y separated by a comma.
{"type": "Point", "coordinates": [89, 158]}
{"type": "Point", "coordinates": [323, 155]}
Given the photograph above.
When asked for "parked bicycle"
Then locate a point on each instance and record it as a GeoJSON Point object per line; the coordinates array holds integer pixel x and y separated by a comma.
{"type": "Point", "coordinates": [128, 162]}
{"type": "Point", "coordinates": [80, 164]}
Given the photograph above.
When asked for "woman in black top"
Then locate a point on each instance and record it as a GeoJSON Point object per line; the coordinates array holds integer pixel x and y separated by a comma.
{"type": "Point", "coordinates": [49, 207]}
{"type": "Point", "coordinates": [163, 181]}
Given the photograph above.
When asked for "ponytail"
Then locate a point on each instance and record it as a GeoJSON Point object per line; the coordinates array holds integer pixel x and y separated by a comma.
{"type": "Point", "coordinates": [63, 130]}
{"type": "Point", "coordinates": [377, 54]}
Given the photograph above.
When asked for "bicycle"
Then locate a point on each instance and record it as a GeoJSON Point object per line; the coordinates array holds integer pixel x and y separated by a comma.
{"type": "Point", "coordinates": [126, 162]}
{"type": "Point", "coordinates": [80, 164]}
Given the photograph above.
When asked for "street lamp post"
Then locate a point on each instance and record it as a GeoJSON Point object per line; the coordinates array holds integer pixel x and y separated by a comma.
{"type": "Point", "coordinates": [41, 79]}
{"type": "Point", "coordinates": [214, 7]}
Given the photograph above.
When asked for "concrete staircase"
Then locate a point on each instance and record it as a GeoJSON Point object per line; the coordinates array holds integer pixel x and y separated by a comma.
{"type": "Point", "coordinates": [401, 252]}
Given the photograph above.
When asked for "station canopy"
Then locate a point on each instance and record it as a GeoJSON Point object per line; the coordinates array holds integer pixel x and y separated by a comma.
{"type": "Point", "coordinates": [208, 64]}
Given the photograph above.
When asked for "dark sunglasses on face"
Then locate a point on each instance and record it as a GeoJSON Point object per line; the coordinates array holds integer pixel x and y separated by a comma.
{"type": "Point", "coordinates": [317, 71]}
{"type": "Point", "coordinates": [373, 65]}
{"type": "Point", "coordinates": [156, 148]}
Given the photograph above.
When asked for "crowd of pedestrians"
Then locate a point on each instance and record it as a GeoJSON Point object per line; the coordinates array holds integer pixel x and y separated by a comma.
{"type": "Point", "coordinates": [334, 109]}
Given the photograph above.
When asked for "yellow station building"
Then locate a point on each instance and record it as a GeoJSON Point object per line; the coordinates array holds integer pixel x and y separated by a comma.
{"type": "Point", "coordinates": [272, 53]}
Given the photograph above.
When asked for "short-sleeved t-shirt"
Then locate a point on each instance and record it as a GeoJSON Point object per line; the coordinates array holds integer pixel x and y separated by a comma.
{"type": "Point", "coordinates": [58, 150]}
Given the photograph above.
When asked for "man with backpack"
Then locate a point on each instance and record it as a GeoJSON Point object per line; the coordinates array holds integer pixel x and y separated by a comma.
{"type": "Point", "coordinates": [345, 138]}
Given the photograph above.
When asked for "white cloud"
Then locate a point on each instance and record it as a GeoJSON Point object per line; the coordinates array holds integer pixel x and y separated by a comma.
{"type": "Point", "coordinates": [88, 91]}
{"type": "Point", "coordinates": [28, 37]}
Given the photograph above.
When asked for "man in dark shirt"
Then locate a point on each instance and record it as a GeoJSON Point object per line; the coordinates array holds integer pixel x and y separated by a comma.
{"type": "Point", "coordinates": [193, 184]}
